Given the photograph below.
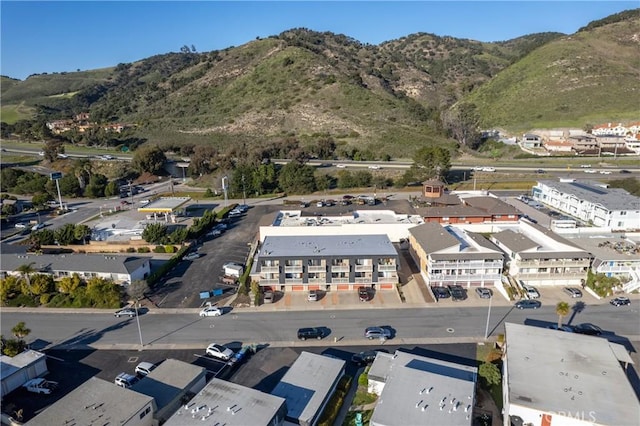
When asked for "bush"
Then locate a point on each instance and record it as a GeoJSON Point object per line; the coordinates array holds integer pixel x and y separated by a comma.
{"type": "Point", "coordinates": [143, 250]}
{"type": "Point", "coordinates": [332, 409]}
{"type": "Point", "coordinates": [363, 379]}
{"type": "Point", "coordinates": [159, 249]}
{"type": "Point", "coordinates": [44, 298]}
{"type": "Point", "coordinates": [169, 249]}
{"type": "Point", "coordinates": [22, 300]}
{"type": "Point", "coordinates": [131, 249]}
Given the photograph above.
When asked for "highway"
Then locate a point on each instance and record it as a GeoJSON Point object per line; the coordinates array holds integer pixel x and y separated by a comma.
{"type": "Point", "coordinates": [175, 330]}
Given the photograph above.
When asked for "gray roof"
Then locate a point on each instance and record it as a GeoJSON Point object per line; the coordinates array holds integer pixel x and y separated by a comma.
{"type": "Point", "coordinates": [609, 198]}
{"type": "Point", "coordinates": [168, 380]}
{"type": "Point", "coordinates": [103, 263]}
{"type": "Point", "coordinates": [459, 210]}
{"type": "Point", "coordinates": [306, 385]}
{"type": "Point", "coordinates": [492, 205]}
{"type": "Point", "coordinates": [231, 404]}
{"type": "Point", "coordinates": [326, 245]}
{"type": "Point", "coordinates": [416, 387]}
{"type": "Point", "coordinates": [569, 373]}
{"type": "Point", "coordinates": [433, 237]}
{"type": "Point", "coordinates": [94, 399]}
{"type": "Point", "coordinates": [515, 241]}
{"type": "Point", "coordinates": [9, 365]}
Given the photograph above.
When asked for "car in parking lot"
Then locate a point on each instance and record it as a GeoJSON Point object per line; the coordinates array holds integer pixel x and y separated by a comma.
{"type": "Point", "coordinates": [234, 213]}
{"type": "Point", "coordinates": [565, 328]}
{"type": "Point", "coordinates": [211, 311]}
{"type": "Point", "coordinates": [620, 301]}
{"type": "Point", "coordinates": [588, 329]}
{"type": "Point", "coordinates": [440, 292]}
{"type": "Point", "coordinates": [192, 256]}
{"type": "Point", "coordinates": [365, 357]}
{"type": "Point", "coordinates": [310, 333]}
{"type": "Point", "coordinates": [125, 380]}
{"type": "Point", "coordinates": [377, 333]}
{"type": "Point", "coordinates": [21, 225]}
{"type": "Point", "coordinates": [528, 304]}
{"type": "Point", "coordinates": [214, 233]}
{"type": "Point", "coordinates": [573, 292]}
{"type": "Point", "coordinates": [312, 296]}
{"type": "Point", "coordinates": [144, 368]}
{"type": "Point", "coordinates": [457, 292]}
{"type": "Point", "coordinates": [125, 312]}
{"type": "Point", "coordinates": [219, 351]}
{"type": "Point", "coordinates": [531, 292]}
{"type": "Point", "coordinates": [483, 292]}
{"type": "Point", "coordinates": [268, 297]}
{"type": "Point", "coordinates": [363, 294]}
{"type": "Point", "coordinates": [37, 226]}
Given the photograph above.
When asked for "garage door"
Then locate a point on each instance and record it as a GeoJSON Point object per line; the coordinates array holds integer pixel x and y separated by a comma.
{"type": "Point", "coordinates": [297, 287]}
{"type": "Point", "coordinates": [386, 286]}
{"type": "Point", "coordinates": [343, 287]}
{"type": "Point", "coordinates": [314, 287]}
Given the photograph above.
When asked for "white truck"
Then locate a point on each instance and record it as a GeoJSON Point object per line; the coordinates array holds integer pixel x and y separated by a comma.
{"type": "Point", "coordinates": [40, 385]}
{"type": "Point", "coordinates": [232, 269]}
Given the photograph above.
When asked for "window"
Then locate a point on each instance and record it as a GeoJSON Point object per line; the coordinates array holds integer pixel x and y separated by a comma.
{"type": "Point", "coordinates": [623, 213]}
{"type": "Point", "coordinates": [145, 412]}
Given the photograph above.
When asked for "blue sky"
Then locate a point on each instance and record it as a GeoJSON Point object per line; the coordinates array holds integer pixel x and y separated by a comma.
{"type": "Point", "coordinates": [53, 36]}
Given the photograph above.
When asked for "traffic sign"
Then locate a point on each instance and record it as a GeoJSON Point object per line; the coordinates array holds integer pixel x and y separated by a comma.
{"type": "Point", "coordinates": [56, 175]}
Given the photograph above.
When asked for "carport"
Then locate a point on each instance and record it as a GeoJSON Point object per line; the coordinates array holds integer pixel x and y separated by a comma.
{"type": "Point", "coordinates": [166, 206]}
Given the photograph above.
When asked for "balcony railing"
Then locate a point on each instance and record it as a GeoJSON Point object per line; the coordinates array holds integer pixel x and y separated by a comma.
{"type": "Point", "coordinates": [293, 269]}
{"type": "Point", "coordinates": [465, 277]}
{"type": "Point", "coordinates": [462, 265]}
{"type": "Point", "coordinates": [293, 280]}
{"type": "Point", "coordinates": [550, 276]}
{"type": "Point", "coordinates": [339, 280]}
{"type": "Point", "coordinates": [364, 268]}
{"type": "Point", "coordinates": [265, 281]}
{"type": "Point", "coordinates": [382, 268]}
{"type": "Point", "coordinates": [340, 268]}
{"type": "Point", "coordinates": [317, 268]}
{"type": "Point", "coordinates": [270, 269]}
{"type": "Point", "coordinates": [317, 280]}
{"type": "Point", "coordinates": [553, 263]}
{"type": "Point", "coordinates": [387, 280]}
{"type": "Point", "coordinates": [363, 280]}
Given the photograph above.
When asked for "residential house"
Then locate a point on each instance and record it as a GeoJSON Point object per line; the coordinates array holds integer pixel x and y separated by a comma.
{"type": "Point", "coordinates": [531, 141]}
{"type": "Point", "coordinates": [559, 146]}
{"type": "Point", "coordinates": [584, 144]}
{"type": "Point", "coordinates": [592, 202]}
{"type": "Point", "coordinates": [610, 129]}
{"type": "Point", "coordinates": [451, 256]}
{"type": "Point", "coordinates": [18, 370]}
{"type": "Point", "coordinates": [571, 379]}
{"type": "Point", "coordinates": [329, 262]}
{"type": "Point", "coordinates": [470, 210]}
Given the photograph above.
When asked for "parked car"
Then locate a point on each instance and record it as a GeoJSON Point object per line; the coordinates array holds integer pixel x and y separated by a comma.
{"type": "Point", "coordinates": [234, 213]}
{"type": "Point", "coordinates": [218, 351]}
{"type": "Point", "coordinates": [377, 333]}
{"type": "Point", "coordinates": [620, 301]}
{"type": "Point", "coordinates": [125, 312]}
{"type": "Point", "coordinates": [192, 256]}
{"type": "Point", "coordinates": [310, 333]}
{"type": "Point", "coordinates": [214, 233]}
{"type": "Point", "coordinates": [37, 226]}
{"type": "Point", "coordinates": [531, 292]}
{"type": "Point", "coordinates": [125, 380]}
{"type": "Point", "coordinates": [365, 357]}
{"type": "Point", "coordinates": [457, 292]}
{"type": "Point", "coordinates": [588, 329]}
{"type": "Point", "coordinates": [440, 292]}
{"type": "Point", "coordinates": [363, 294]}
{"type": "Point", "coordinates": [573, 292]}
{"type": "Point", "coordinates": [528, 304]}
{"type": "Point", "coordinates": [313, 296]}
{"type": "Point", "coordinates": [144, 368]}
{"type": "Point", "coordinates": [268, 297]}
{"type": "Point", "coordinates": [21, 225]}
{"type": "Point", "coordinates": [40, 385]}
{"type": "Point", "coordinates": [144, 202]}
{"type": "Point", "coordinates": [484, 293]}
{"type": "Point", "coordinates": [211, 311]}
{"type": "Point", "coordinates": [565, 328]}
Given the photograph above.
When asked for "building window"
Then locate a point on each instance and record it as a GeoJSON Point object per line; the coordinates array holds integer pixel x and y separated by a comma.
{"type": "Point", "coordinates": [145, 412]}
{"type": "Point", "coordinates": [623, 213]}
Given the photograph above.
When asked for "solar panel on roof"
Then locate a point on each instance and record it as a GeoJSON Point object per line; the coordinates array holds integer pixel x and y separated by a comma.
{"type": "Point", "coordinates": [589, 188]}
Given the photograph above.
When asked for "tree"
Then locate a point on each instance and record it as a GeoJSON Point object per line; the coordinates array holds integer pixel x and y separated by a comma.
{"type": "Point", "coordinates": [69, 186]}
{"type": "Point", "coordinates": [462, 122]}
{"type": "Point", "coordinates": [103, 293]}
{"type": "Point", "coordinates": [97, 184]}
{"type": "Point", "coordinates": [429, 162]}
{"type": "Point", "coordinates": [154, 233]}
{"type": "Point", "coordinates": [68, 285]}
{"type": "Point", "coordinates": [297, 178]}
{"type": "Point", "coordinates": [82, 232]}
{"type": "Point", "coordinates": [20, 331]}
{"type": "Point", "coordinates": [40, 200]}
{"type": "Point", "coordinates": [149, 159]}
{"type": "Point", "coordinates": [42, 284]}
{"type": "Point", "coordinates": [490, 372]}
{"type": "Point", "coordinates": [137, 290]}
{"type": "Point", "coordinates": [51, 150]}
{"type": "Point", "coordinates": [112, 188]}
{"type": "Point", "coordinates": [25, 271]}
{"type": "Point", "coordinates": [562, 309]}
{"type": "Point", "coordinates": [8, 286]}
{"type": "Point", "coordinates": [66, 234]}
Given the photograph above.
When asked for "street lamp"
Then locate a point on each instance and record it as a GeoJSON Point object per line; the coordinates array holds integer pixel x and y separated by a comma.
{"type": "Point", "coordinates": [486, 329]}
{"type": "Point", "coordinates": [138, 322]}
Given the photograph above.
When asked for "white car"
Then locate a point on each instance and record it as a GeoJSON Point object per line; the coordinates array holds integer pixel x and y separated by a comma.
{"type": "Point", "coordinates": [341, 166]}
{"type": "Point", "coordinates": [591, 171]}
{"type": "Point", "coordinates": [489, 169]}
{"type": "Point", "coordinates": [20, 225]}
{"type": "Point", "coordinates": [374, 167]}
{"type": "Point", "coordinates": [211, 311]}
{"type": "Point", "coordinates": [605, 172]}
{"type": "Point", "coordinates": [63, 156]}
{"type": "Point", "coordinates": [192, 256]}
{"type": "Point", "coordinates": [144, 368]}
{"type": "Point", "coordinates": [585, 166]}
{"type": "Point", "coordinates": [144, 202]}
{"type": "Point", "coordinates": [218, 351]}
{"type": "Point", "coordinates": [37, 226]}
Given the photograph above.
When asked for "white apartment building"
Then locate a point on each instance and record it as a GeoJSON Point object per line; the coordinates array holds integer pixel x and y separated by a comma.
{"type": "Point", "coordinates": [591, 202]}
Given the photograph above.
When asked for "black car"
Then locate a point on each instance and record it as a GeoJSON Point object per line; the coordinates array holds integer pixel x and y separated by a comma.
{"type": "Point", "coordinates": [440, 292]}
{"type": "Point", "coordinates": [620, 301]}
{"type": "Point", "coordinates": [363, 294]}
{"type": "Point", "coordinates": [365, 358]}
{"type": "Point", "coordinates": [588, 329]}
{"type": "Point", "coordinates": [457, 292]}
{"type": "Point", "coordinates": [528, 304]}
{"type": "Point", "coordinates": [310, 333]}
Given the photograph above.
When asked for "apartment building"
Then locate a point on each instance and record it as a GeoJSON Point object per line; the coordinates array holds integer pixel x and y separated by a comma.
{"type": "Point", "coordinates": [592, 202]}
{"type": "Point", "coordinates": [448, 255]}
{"type": "Point", "coordinates": [327, 262]}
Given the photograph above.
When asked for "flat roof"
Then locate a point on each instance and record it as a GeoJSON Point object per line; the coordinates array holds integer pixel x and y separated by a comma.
{"type": "Point", "coordinates": [9, 365]}
{"type": "Point", "coordinates": [226, 403]}
{"type": "Point", "coordinates": [416, 388]}
{"type": "Point", "coordinates": [380, 217]}
{"type": "Point", "coordinates": [164, 204]}
{"type": "Point", "coordinates": [594, 192]}
{"type": "Point", "coordinates": [94, 402]}
{"type": "Point", "coordinates": [326, 245]}
{"type": "Point", "coordinates": [74, 262]}
{"type": "Point", "coordinates": [450, 242]}
{"type": "Point", "coordinates": [532, 241]}
{"type": "Point", "coordinates": [609, 247]}
{"type": "Point", "coordinates": [307, 384]}
{"type": "Point", "coordinates": [568, 373]}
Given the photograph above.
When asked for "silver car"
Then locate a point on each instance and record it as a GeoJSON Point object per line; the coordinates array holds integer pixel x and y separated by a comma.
{"type": "Point", "coordinates": [377, 333]}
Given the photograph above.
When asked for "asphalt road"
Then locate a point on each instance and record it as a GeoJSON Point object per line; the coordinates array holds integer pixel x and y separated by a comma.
{"type": "Point", "coordinates": [410, 326]}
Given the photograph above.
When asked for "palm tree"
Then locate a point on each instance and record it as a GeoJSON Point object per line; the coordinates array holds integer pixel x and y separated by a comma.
{"type": "Point", "coordinates": [20, 331]}
{"type": "Point", "coordinates": [562, 309]}
{"type": "Point", "coordinates": [25, 271]}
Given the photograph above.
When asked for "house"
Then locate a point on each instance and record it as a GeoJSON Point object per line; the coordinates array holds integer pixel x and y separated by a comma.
{"type": "Point", "coordinates": [537, 256]}
{"type": "Point", "coordinates": [447, 255]}
{"type": "Point", "coordinates": [331, 262]}
{"type": "Point", "coordinates": [495, 208]}
{"type": "Point", "coordinates": [169, 384]}
{"type": "Point", "coordinates": [358, 222]}
{"type": "Point", "coordinates": [118, 268]}
{"type": "Point", "coordinates": [308, 386]}
{"type": "Point", "coordinates": [531, 141]}
{"type": "Point", "coordinates": [97, 401]}
{"type": "Point", "coordinates": [471, 210]}
{"type": "Point", "coordinates": [226, 403]}
{"type": "Point", "coordinates": [571, 379]}
{"type": "Point", "coordinates": [419, 390]}
{"type": "Point", "coordinates": [18, 370]}
{"type": "Point", "coordinates": [555, 145]}
{"type": "Point", "coordinates": [591, 202]}
{"type": "Point", "coordinates": [584, 144]}
{"type": "Point", "coordinates": [610, 129]}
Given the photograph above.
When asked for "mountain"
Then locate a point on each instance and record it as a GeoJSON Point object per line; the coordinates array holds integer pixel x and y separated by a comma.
{"type": "Point", "coordinates": [385, 99]}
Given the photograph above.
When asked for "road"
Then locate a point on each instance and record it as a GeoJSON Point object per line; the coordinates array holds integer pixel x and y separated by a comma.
{"type": "Point", "coordinates": [411, 326]}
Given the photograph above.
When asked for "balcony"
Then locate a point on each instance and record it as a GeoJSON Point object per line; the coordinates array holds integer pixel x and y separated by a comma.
{"type": "Point", "coordinates": [339, 268]}
{"type": "Point", "coordinates": [321, 280]}
{"type": "Point", "coordinates": [265, 281]}
{"type": "Point", "coordinates": [364, 268]}
{"type": "Point", "coordinates": [270, 269]}
{"type": "Point", "coordinates": [388, 280]}
{"type": "Point", "coordinates": [553, 263]}
{"type": "Point", "coordinates": [339, 280]}
{"type": "Point", "coordinates": [385, 268]}
{"type": "Point", "coordinates": [293, 269]}
{"type": "Point", "coordinates": [549, 276]}
{"type": "Point", "coordinates": [365, 280]}
{"type": "Point", "coordinates": [465, 265]}
{"type": "Point", "coordinates": [293, 281]}
{"type": "Point", "coordinates": [315, 268]}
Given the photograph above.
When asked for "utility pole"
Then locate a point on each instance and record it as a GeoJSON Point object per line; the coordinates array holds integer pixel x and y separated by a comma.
{"type": "Point", "coordinates": [244, 193]}
{"type": "Point", "coordinates": [486, 329]}
{"type": "Point", "coordinates": [224, 189]}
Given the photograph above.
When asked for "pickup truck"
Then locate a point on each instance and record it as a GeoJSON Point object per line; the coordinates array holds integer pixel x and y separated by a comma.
{"type": "Point", "coordinates": [40, 385]}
